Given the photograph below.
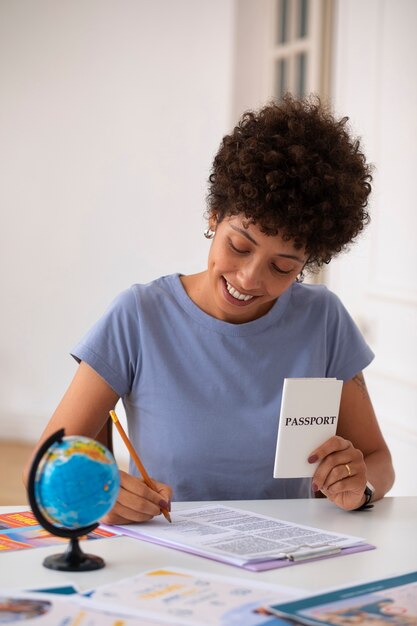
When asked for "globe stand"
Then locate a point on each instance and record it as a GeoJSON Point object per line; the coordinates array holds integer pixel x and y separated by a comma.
{"type": "Point", "coordinates": [73, 559]}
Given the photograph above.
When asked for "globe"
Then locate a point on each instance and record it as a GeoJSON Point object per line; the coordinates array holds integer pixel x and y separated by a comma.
{"type": "Point", "coordinates": [73, 482]}
{"type": "Point", "coordinates": [76, 483]}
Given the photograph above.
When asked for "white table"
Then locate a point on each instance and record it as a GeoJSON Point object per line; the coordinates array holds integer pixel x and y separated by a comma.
{"type": "Point", "coordinates": [391, 526]}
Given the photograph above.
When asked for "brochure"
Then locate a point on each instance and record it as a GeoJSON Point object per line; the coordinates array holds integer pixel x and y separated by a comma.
{"type": "Point", "coordinates": [377, 603]}
{"type": "Point", "coordinates": [40, 609]}
{"type": "Point", "coordinates": [190, 598]}
{"type": "Point", "coordinates": [20, 531]}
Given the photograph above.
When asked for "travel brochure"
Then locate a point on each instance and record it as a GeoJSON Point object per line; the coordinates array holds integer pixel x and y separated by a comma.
{"type": "Point", "coordinates": [389, 601]}
{"type": "Point", "coordinates": [40, 609]}
{"type": "Point", "coordinates": [20, 531]}
{"type": "Point", "coordinates": [190, 598]}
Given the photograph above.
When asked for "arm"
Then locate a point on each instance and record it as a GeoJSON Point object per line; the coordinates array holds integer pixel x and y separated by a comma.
{"type": "Point", "coordinates": [358, 444]}
{"type": "Point", "coordinates": [84, 410]}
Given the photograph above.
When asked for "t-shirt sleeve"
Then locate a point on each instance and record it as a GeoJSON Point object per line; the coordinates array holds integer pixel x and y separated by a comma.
{"type": "Point", "coordinates": [348, 352]}
{"type": "Point", "coordinates": [111, 346]}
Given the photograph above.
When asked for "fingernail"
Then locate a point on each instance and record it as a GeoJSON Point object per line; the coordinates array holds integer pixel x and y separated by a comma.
{"type": "Point", "coordinates": [313, 458]}
{"type": "Point", "coordinates": [163, 504]}
{"type": "Point", "coordinates": [314, 487]}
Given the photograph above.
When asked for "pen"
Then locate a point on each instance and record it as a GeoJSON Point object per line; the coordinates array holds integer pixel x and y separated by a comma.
{"type": "Point", "coordinates": [146, 478]}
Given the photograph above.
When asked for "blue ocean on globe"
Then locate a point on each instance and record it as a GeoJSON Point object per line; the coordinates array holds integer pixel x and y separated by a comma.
{"type": "Point", "coordinates": [77, 482]}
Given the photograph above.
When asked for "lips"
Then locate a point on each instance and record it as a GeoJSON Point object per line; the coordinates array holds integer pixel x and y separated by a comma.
{"type": "Point", "coordinates": [234, 296]}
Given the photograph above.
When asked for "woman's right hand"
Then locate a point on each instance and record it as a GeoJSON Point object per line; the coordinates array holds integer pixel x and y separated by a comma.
{"type": "Point", "coordinates": [137, 502]}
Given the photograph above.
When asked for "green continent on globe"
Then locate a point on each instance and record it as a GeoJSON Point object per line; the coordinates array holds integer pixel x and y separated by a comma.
{"type": "Point", "coordinates": [77, 482]}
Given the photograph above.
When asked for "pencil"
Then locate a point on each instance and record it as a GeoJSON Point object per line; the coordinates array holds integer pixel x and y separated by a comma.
{"type": "Point", "coordinates": [146, 478]}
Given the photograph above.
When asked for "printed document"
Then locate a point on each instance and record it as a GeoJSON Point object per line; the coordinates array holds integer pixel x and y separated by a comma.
{"type": "Point", "coordinates": [191, 598]}
{"type": "Point", "coordinates": [236, 536]}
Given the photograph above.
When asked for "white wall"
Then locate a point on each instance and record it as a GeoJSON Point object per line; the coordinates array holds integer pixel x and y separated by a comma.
{"type": "Point", "coordinates": [110, 114]}
{"type": "Point", "coordinates": [374, 82]}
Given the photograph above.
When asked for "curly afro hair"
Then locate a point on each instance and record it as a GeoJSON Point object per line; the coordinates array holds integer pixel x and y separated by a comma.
{"type": "Point", "coordinates": [293, 169]}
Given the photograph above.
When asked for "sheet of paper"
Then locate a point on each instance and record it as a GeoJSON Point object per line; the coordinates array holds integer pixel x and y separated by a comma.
{"type": "Point", "coordinates": [235, 535]}
{"type": "Point", "coordinates": [308, 417]}
{"type": "Point", "coordinates": [191, 598]}
{"type": "Point", "coordinates": [39, 609]}
{"type": "Point", "coordinates": [387, 601]}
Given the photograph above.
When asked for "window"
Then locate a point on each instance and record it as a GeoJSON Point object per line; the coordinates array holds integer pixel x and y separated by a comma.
{"type": "Point", "coordinates": [299, 50]}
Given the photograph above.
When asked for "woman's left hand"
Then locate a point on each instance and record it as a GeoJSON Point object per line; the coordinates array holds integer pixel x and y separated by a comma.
{"type": "Point", "coordinates": [341, 472]}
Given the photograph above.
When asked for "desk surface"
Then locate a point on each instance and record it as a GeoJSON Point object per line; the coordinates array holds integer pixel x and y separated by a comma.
{"type": "Point", "coordinates": [391, 526]}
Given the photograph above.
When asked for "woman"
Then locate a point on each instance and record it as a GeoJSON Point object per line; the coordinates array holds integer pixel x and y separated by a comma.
{"type": "Point", "coordinates": [200, 360]}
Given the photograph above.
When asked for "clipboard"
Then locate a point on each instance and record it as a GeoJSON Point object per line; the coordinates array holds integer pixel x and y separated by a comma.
{"type": "Point", "coordinates": [254, 566]}
{"type": "Point", "coordinates": [205, 534]}
{"type": "Point", "coordinates": [279, 563]}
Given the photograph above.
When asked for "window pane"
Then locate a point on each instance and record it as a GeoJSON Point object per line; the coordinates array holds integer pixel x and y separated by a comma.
{"type": "Point", "coordinates": [301, 68]}
{"type": "Point", "coordinates": [302, 18]}
{"type": "Point", "coordinates": [282, 21]}
{"type": "Point", "coordinates": [281, 70]}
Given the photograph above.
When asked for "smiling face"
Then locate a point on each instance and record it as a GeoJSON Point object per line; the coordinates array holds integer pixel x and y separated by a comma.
{"type": "Point", "coordinates": [247, 271]}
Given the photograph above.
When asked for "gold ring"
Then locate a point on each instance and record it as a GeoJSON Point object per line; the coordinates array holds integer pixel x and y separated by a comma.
{"type": "Point", "coordinates": [348, 469]}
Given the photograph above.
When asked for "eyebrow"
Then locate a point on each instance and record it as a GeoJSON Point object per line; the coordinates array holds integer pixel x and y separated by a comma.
{"type": "Point", "coordinates": [245, 233]}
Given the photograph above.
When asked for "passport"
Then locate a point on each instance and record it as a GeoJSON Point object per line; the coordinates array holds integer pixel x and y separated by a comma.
{"type": "Point", "coordinates": [308, 417]}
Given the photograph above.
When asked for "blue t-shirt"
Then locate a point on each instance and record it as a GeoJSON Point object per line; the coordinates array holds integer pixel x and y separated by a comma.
{"type": "Point", "coordinates": [203, 396]}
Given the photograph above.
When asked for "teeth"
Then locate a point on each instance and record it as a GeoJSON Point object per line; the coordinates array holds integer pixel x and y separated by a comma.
{"type": "Point", "coordinates": [236, 294]}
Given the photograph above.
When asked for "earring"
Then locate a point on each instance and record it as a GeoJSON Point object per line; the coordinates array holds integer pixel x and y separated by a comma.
{"type": "Point", "coordinates": [208, 233]}
{"type": "Point", "coordinates": [300, 277]}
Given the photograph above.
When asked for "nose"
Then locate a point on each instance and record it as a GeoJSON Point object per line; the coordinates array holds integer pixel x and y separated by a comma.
{"type": "Point", "coordinates": [250, 276]}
